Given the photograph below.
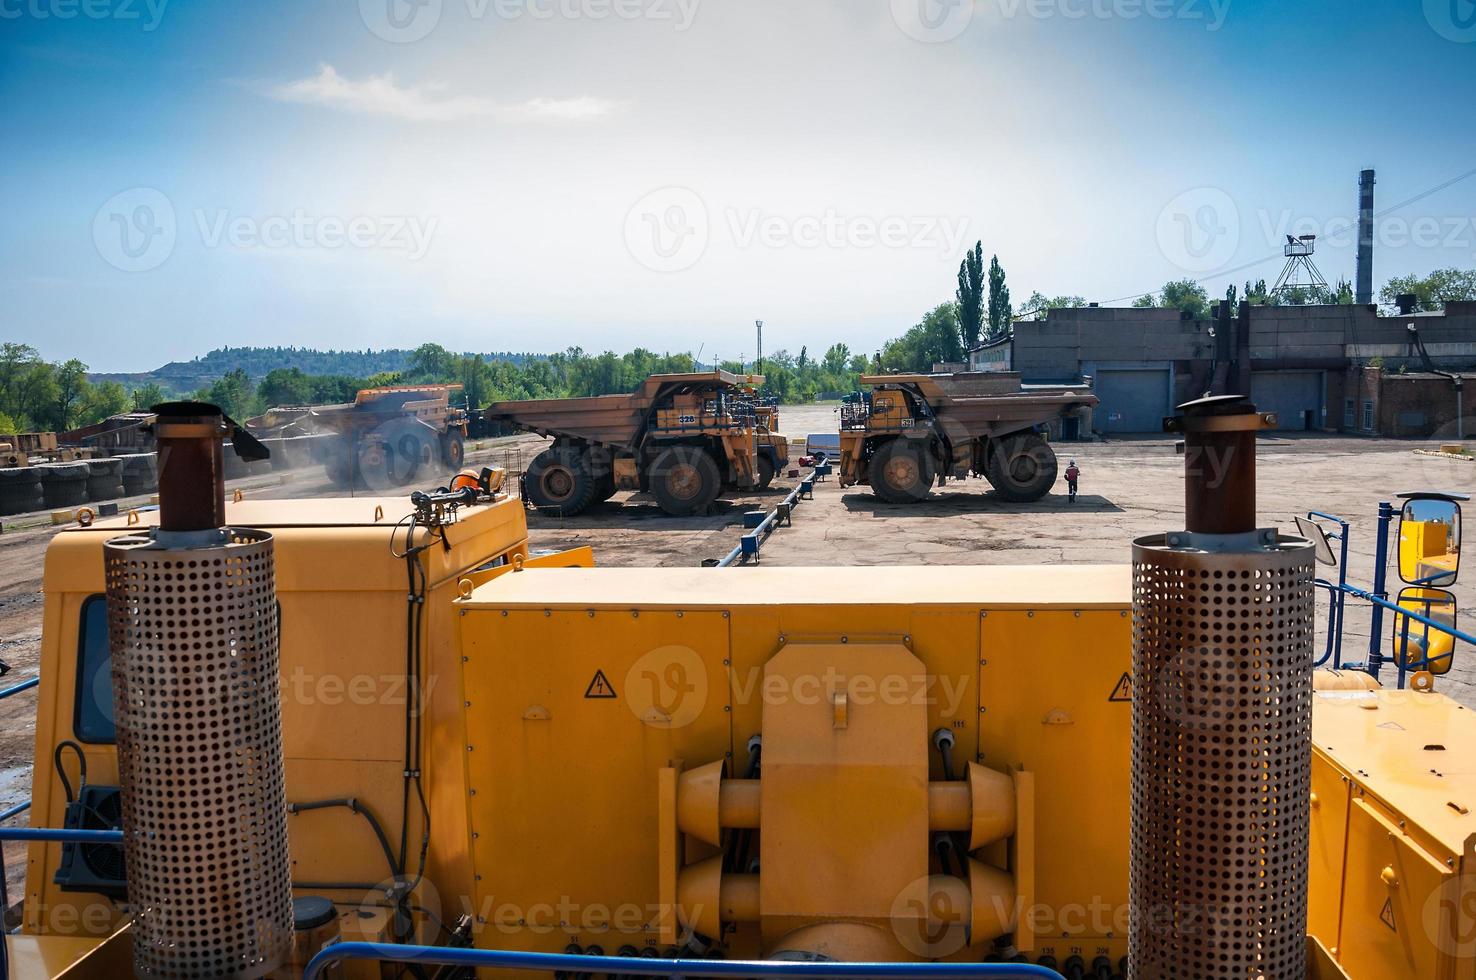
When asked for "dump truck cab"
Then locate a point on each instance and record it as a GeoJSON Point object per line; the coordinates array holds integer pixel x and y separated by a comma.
{"type": "Point", "coordinates": [682, 438]}
{"type": "Point", "coordinates": [908, 431]}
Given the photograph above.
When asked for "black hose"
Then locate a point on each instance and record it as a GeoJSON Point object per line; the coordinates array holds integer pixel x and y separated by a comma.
{"type": "Point", "coordinates": [943, 740]}
{"type": "Point", "coordinates": [356, 807]}
{"type": "Point", "coordinates": [61, 772]}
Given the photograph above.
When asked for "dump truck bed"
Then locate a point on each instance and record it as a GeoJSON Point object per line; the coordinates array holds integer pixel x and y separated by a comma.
{"type": "Point", "coordinates": [608, 420]}
{"type": "Point", "coordinates": [984, 401]}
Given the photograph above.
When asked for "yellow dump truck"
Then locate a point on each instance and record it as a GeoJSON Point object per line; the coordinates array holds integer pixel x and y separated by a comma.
{"type": "Point", "coordinates": [680, 437]}
{"type": "Point", "coordinates": [692, 772]}
{"type": "Point", "coordinates": [909, 431]}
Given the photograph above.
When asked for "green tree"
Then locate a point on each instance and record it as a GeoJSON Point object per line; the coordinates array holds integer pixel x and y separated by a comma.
{"type": "Point", "coordinates": [234, 393]}
{"type": "Point", "coordinates": [285, 386]}
{"type": "Point", "coordinates": [933, 340]}
{"type": "Point", "coordinates": [146, 396]}
{"type": "Point", "coordinates": [1037, 305]}
{"type": "Point", "coordinates": [1432, 292]}
{"type": "Point", "coordinates": [1186, 296]}
{"type": "Point", "coordinates": [1001, 314]}
{"type": "Point", "coordinates": [432, 363]}
{"type": "Point", "coordinates": [1258, 294]}
{"type": "Point", "coordinates": [7, 425]}
{"type": "Point", "coordinates": [969, 297]}
{"type": "Point", "coordinates": [71, 389]}
{"type": "Point", "coordinates": [103, 400]}
{"type": "Point", "coordinates": [1146, 302]}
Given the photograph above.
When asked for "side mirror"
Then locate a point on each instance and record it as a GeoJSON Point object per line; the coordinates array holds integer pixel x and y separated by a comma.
{"type": "Point", "coordinates": [1430, 541]}
{"type": "Point", "coordinates": [1420, 646]}
{"type": "Point", "coordinates": [1321, 547]}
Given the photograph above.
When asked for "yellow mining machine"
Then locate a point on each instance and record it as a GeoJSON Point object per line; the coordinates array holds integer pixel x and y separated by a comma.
{"type": "Point", "coordinates": [378, 738]}
{"type": "Point", "coordinates": [682, 438]}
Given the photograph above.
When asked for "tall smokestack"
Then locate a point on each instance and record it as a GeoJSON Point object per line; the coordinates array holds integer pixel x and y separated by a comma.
{"type": "Point", "coordinates": [1365, 237]}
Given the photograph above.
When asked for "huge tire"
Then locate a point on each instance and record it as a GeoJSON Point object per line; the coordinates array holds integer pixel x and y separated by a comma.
{"type": "Point", "coordinates": [20, 490]}
{"type": "Point", "coordinates": [396, 453]}
{"type": "Point", "coordinates": [685, 481]}
{"type": "Point", "coordinates": [63, 484]}
{"type": "Point", "coordinates": [453, 450]}
{"type": "Point", "coordinates": [1022, 468]}
{"type": "Point", "coordinates": [901, 471]}
{"type": "Point", "coordinates": [766, 472]}
{"type": "Point", "coordinates": [104, 479]}
{"type": "Point", "coordinates": [558, 482]}
{"type": "Point", "coordinates": [140, 473]}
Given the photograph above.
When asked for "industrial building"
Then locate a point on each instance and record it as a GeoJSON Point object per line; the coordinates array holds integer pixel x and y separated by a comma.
{"type": "Point", "coordinates": [1319, 368]}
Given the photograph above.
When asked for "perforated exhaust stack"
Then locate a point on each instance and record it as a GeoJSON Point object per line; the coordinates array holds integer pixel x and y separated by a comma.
{"type": "Point", "coordinates": [193, 634]}
{"type": "Point", "coordinates": [1222, 723]}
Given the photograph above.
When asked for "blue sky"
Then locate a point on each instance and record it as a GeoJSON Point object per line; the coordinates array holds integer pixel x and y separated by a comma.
{"type": "Point", "coordinates": [536, 174]}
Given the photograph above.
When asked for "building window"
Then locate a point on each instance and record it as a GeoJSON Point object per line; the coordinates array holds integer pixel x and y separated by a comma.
{"type": "Point", "coordinates": [1350, 413]}
{"type": "Point", "coordinates": [1368, 416]}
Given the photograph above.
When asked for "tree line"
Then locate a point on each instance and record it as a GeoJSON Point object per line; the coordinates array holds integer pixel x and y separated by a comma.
{"type": "Point", "coordinates": [37, 395]}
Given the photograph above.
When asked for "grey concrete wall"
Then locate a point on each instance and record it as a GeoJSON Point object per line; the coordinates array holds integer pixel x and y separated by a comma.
{"type": "Point", "coordinates": [1057, 346]}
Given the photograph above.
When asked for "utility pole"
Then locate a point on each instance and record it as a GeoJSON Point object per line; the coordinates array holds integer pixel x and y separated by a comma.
{"type": "Point", "coordinates": [759, 358]}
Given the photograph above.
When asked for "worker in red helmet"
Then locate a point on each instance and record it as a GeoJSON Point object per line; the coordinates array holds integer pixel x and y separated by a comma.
{"type": "Point", "coordinates": [1072, 475]}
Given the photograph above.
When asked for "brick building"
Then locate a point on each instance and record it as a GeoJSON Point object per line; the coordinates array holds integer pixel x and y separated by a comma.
{"type": "Point", "coordinates": [1321, 368]}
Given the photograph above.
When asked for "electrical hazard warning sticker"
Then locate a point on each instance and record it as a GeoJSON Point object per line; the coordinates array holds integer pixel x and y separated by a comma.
{"type": "Point", "coordinates": [1124, 689]}
{"type": "Point", "coordinates": [1387, 915]}
{"type": "Point", "coordinates": [599, 687]}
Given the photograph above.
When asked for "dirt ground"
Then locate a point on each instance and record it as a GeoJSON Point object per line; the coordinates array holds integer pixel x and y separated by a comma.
{"type": "Point", "coordinates": [1129, 488]}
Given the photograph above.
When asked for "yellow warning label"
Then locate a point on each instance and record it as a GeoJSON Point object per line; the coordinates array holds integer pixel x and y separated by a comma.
{"type": "Point", "coordinates": [1124, 689]}
{"type": "Point", "coordinates": [1387, 915]}
{"type": "Point", "coordinates": [599, 686]}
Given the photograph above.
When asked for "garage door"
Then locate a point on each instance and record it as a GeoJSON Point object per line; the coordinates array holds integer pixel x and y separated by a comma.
{"type": "Point", "coordinates": [1132, 400]}
{"type": "Point", "coordinates": [1291, 395]}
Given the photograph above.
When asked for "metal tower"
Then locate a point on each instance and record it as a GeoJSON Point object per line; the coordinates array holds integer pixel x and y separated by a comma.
{"type": "Point", "coordinates": [1300, 272]}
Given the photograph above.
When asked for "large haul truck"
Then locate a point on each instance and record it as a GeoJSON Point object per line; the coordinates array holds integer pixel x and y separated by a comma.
{"type": "Point", "coordinates": [912, 430]}
{"type": "Point", "coordinates": [680, 437]}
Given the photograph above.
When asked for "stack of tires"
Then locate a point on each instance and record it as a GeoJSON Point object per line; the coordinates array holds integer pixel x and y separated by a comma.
{"type": "Point", "coordinates": [63, 484]}
{"type": "Point", "coordinates": [20, 490]}
{"type": "Point", "coordinates": [140, 473]}
{"type": "Point", "coordinates": [104, 479]}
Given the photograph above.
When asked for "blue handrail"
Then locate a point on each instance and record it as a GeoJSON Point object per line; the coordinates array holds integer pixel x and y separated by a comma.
{"type": "Point", "coordinates": [66, 836]}
{"type": "Point", "coordinates": [571, 964]}
{"type": "Point", "coordinates": [13, 811]}
{"type": "Point", "coordinates": [22, 686]}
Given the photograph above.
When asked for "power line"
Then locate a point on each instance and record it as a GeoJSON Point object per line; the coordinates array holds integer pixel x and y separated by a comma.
{"type": "Point", "coordinates": [1251, 265]}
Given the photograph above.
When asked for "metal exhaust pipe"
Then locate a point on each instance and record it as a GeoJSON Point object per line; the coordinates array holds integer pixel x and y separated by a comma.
{"type": "Point", "coordinates": [192, 617]}
{"type": "Point", "coordinates": [1222, 723]}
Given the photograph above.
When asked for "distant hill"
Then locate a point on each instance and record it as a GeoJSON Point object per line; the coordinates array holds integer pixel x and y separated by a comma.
{"type": "Point", "coordinates": [186, 376]}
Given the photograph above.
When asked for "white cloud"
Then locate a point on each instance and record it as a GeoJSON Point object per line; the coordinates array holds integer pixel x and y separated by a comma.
{"type": "Point", "coordinates": [381, 95]}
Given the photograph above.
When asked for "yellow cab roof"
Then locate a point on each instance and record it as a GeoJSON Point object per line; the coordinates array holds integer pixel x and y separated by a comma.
{"type": "Point", "coordinates": [994, 586]}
